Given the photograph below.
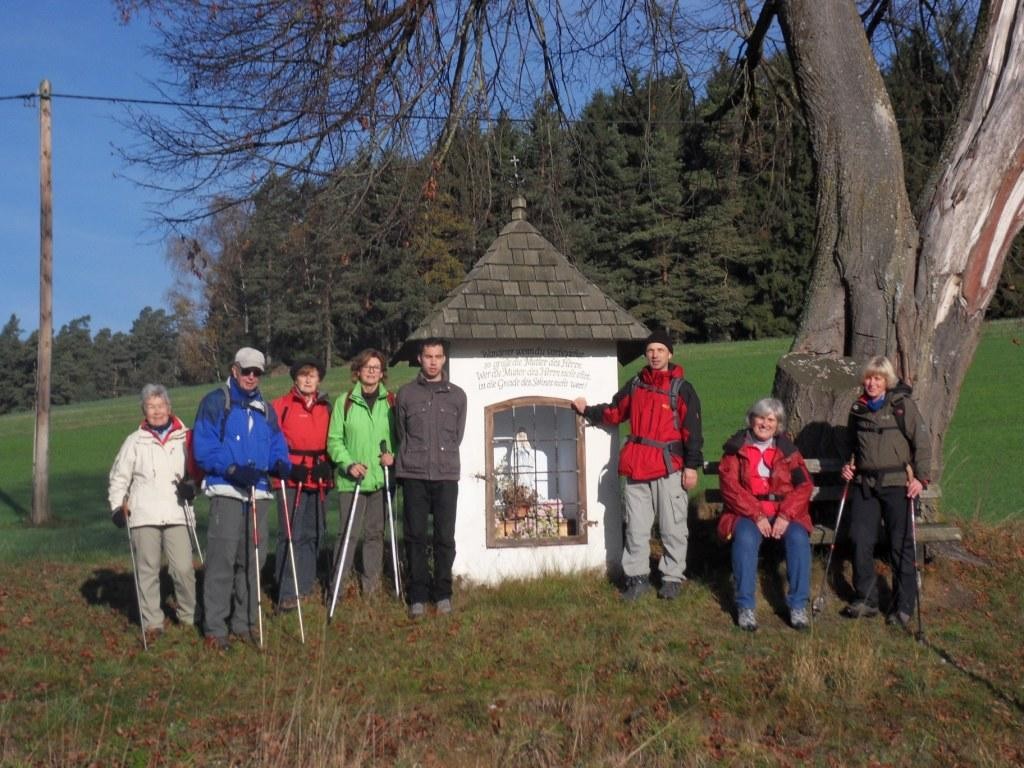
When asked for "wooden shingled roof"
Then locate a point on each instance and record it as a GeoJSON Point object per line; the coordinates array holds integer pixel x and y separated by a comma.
{"type": "Point", "coordinates": [524, 289]}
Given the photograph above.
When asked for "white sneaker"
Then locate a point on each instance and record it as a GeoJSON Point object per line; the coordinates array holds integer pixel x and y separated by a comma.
{"type": "Point", "coordinates": [444, 606]}
{"type": "Point", "coordinates": [798, 618]}
{"type": "Point", "coordinates": [747, 620]}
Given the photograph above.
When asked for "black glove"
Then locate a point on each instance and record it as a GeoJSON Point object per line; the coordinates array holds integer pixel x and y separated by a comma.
{"type": "Point", "coordinates": [186, 490]}
{"type": "Point", "coordinates": [298, 473]}
{"type": "Point", "coordinates": [118, 517]}
{"type": "Point", "coordinates": [245, 476]}
{"type": "Point", "coordinates": [322, 471]}
{"type": "Point", "coordinates": [281, 470]}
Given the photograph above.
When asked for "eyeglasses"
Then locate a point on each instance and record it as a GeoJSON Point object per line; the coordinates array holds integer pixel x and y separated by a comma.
{"type": "Point", "coordinates": [251, 372]}
{"type": "Point", "coordinates": [371, 368]}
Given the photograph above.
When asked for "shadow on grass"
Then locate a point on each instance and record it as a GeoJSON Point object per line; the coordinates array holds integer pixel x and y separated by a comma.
{"type": "Point", "coordinates": [996, 691]}
{"type": "Point", "coordinates": [116, 590]}
{"type": "Point", "coordinates": [7, 500]}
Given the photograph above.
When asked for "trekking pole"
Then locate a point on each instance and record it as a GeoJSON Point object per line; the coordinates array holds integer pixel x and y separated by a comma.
{"type": "Point", "coordinates": [913, 505]}
{"type": "Point", "coordinates": [190, 521]}
{"type": "Point", "coordinates": [135, 572]}
{"type": "Point", "coordinates": [391, 524]}
{"type": "Point", "coordinates": [819, 603]}
{"type": "Point", "coordinates": [291, 552]}
{"type": "Point", "coordinates": [344, 550]}
{"type": "Point", "coordinates": [256, 547]}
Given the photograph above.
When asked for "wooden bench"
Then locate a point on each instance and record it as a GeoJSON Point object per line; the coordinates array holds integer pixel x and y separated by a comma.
{"type": "Point", "coordinates": [828, 489]}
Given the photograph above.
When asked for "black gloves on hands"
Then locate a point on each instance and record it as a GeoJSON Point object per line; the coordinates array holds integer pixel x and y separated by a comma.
{"type": "Point", "coordinates": [322, 471]}
{"type": "Point", "coordinates": [118, 517]}
{"type": "Point", "coordinates": [246, 476]}
{"type": "Point", "coordinates": [285, 471]}
{"type": "Point", "coordinates": [186, 490]}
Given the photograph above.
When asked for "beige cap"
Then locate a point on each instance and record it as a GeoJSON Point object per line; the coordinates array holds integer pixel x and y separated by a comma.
{"type": "Point", "coordinates": [247, 357]}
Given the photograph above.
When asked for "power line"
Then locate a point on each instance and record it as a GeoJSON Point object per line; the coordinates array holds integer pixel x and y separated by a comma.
{"type": "Point", "coordinates": [128, 100]}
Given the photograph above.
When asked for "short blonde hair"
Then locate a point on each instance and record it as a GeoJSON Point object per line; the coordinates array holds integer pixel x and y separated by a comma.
{"type": "Point", "coordinates": [880, 365]}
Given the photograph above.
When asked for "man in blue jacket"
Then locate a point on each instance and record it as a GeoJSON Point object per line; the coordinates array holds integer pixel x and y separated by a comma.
{"type": "Point", "coordinates": [236, 443]}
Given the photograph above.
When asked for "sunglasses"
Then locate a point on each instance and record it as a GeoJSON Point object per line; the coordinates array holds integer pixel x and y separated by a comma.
{"type": "Point", "coordinates": [251, 372]}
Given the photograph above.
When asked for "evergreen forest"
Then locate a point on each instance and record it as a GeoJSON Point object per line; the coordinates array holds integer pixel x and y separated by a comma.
{"type": "Point", "coordinates": [692, 217]}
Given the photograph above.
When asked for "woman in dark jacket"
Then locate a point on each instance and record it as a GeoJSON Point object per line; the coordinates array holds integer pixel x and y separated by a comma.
{"type": "Point", "coordinates": [767, 492]}
{"type": "Point", "coordinates": [891, 465]}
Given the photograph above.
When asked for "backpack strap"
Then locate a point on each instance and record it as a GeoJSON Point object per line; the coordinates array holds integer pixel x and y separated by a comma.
{"type": "Point", "coordinates": [674, 388]}
{"type": "Point", "coordinates": [347, 405]}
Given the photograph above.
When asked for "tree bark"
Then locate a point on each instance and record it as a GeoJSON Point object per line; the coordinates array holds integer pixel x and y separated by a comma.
{"type": "Point", "coordinates": [881, 284]}
{"type": "Point", "coordinates": [969, 220]}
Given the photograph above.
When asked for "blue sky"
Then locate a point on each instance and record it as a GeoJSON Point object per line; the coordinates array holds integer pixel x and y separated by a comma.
{"type": "Point", "coordinates": [108, 254]}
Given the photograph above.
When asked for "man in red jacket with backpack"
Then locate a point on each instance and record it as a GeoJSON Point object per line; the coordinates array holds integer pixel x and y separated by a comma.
{"type": "Point", "coordinates": [659, 461]}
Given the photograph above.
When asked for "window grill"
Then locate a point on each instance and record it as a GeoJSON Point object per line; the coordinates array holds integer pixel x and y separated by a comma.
{"type": "Point", "coordinates": [535, 473]}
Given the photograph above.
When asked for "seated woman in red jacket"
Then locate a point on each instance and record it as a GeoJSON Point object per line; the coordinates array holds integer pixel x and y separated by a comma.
{"type": "Point", "coordinates": [766, 490]}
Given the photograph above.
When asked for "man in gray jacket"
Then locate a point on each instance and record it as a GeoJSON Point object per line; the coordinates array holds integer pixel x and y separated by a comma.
{"type": "Point", "coordinates": [430, 419]}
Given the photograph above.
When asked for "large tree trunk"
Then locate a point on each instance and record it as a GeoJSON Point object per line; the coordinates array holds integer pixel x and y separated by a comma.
{"type": "Point", "coordinates": [881, 285]}
{"type": "Point", "coordinates": [969, 219]}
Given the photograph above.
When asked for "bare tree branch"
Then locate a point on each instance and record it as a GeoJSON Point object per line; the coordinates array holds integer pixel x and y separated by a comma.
{"type": "Point", "coordinates": [749, 59]}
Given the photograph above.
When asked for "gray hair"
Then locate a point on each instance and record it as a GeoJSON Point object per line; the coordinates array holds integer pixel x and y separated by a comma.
{"type": "Point", "coordinates": [154, 390]}
{"type": "Point", "coordinates": [769, 406]}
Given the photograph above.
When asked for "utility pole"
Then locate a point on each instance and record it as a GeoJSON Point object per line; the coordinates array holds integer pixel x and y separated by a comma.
{"type": "Point", "coordinates": [41, 456]}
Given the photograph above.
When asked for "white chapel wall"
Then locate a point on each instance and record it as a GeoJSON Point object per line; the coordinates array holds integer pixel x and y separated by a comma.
{"type": "Point", "coordinates": [493, 372]}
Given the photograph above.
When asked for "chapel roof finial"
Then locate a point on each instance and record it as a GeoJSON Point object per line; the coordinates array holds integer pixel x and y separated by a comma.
{"type": "Point", "coordinates": [518, 201]}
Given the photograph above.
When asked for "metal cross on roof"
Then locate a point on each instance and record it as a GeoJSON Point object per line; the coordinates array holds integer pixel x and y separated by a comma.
{"type": "Point", "coordinates": [516, 178]}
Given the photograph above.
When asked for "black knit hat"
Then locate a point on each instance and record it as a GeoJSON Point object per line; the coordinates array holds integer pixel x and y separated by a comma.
{"type": "Point", "coordinates": [303, 362]}
{"type": "Point", "coordinates": [659, 336]}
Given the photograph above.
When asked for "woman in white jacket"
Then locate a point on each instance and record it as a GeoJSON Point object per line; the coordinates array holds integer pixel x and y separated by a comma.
{"type": "Point", "coordinates": [147, 488]}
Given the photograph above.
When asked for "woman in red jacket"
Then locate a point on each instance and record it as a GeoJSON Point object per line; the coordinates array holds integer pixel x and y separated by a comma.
{"type": "Point", "coordinates": [766, 490]}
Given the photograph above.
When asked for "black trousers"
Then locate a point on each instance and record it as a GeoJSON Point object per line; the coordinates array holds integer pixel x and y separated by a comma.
{"type": "Point", "coordinates": [424, 499]}
{"type": "Point", "coordinates": [891, 506]}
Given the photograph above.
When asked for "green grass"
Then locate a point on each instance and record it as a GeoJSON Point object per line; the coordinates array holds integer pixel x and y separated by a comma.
{"type": "Point", "coordinates": [982, 451]}
{"type": "Point", "coordinates": [549, 672]}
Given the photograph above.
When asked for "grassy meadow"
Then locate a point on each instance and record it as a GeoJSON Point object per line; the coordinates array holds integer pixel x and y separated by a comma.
{"type": "Point", "coordinates": [551, 672]}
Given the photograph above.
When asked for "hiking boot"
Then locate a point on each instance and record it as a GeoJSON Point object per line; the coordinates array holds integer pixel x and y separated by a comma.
{"type": "Point", "coordinates": [216, 643]}
{"type": "Point", "coordinates": [898, 619]}
{"type": "Point", "coordinates": [251, 636]}
{"type": "Point", "coordinates": [798, 619]}
{"type": "Point", "coordinates": [444, 607]}
{"type": "Point", "coordinates": [287, 605]}
{"type": "Point", "coordinates": [746, 620]}
{"type": "Point", "coordinates": [153, 634]}
{"type": "Point", "coordinates": [636, 587]}
{"type": "Point", "coordinates": [860, 610]}
{"type": "Point", "coordinates": [670, 590]}
{"type": "Point", "coordinates": [417, 610]}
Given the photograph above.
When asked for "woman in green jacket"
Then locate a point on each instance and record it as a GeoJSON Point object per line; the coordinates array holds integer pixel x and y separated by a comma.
{"type": "Point", "coordinates": [362, 419]}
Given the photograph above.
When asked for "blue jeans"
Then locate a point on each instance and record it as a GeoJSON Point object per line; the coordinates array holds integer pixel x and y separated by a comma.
{"type": "Point", "coordinates": [308, 530]}
{"type": "Point", "coordinates": [746, 543]}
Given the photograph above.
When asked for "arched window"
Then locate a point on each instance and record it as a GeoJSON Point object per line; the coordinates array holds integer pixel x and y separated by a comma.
{"type": "Point", "coordinates": [535, 473]}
